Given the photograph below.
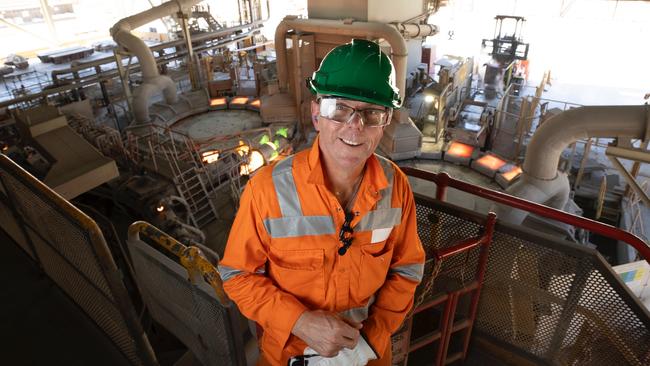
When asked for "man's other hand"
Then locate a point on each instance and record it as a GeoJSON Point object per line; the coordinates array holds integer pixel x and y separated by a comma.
{"type": "Point", "coordinates": [326, 332]}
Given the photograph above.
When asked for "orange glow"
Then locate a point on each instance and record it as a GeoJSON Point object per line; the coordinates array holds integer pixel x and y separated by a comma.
{"type": "Point", "coordinates": [217, 102]}
{"type": "Point", "coordinates": [256, 161]}
{"type": "Point", "coordinates": [209, 157]}
{"type": "Point", "coordinates": [239, 100]}
{"type": "Point", "coordinates": [255, 103]}
{"type": "Point", "coordinates": [460, 150]}
{"type": "Point", "coordinates": [491, 162]}
{"type": "Point", "coordinates": [512, 173]}
{"type": "Point", "coordinates": [242, 149]}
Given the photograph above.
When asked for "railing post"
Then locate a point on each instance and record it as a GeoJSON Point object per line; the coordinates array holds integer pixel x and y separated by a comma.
{"type": "Point", "coordinates": [442, 181]}
{"type": "Point", "coordinates": [569, 310]}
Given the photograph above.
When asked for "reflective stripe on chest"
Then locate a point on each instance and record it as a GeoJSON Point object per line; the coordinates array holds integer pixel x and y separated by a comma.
{"type": "Point", "coordinates": [293, 223]}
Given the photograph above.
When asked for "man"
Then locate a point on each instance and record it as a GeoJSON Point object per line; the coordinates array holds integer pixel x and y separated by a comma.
{"type": "Point", "coordinates": [324, 253]}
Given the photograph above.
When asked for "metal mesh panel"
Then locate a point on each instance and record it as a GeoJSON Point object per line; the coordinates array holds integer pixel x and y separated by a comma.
{"type": "Point", "coordinates": [192, 313]}
{"type": "Point", "coordinates": [553, 300]}
{"type": "Point", "coordinates": [438, 230]}
{"type": "Point", "coordinates": [528, 284]}
{"type": "Point", "coordinates": [62, 233]}
{"type": "Point", "coordinates": [612, 327]}
{"type": "Point", "coordinates": [67, 252]}
{"type": "Point", "coordinates": [11, 225]}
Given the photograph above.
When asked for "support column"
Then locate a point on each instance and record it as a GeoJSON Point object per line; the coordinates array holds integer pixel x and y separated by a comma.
{"type": "Point", "coordinates": [124, 78]}
{"type": "Point", "coordinates": [47, 15]}
{"type": "Point", "coordinates": [191, 65]}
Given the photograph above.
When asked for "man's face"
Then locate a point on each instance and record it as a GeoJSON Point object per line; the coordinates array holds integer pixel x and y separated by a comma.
{"type": "Point", "coordinates": [347, 145]}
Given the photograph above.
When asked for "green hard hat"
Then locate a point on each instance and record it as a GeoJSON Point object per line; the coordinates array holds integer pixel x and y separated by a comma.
{"type": "Point", "coordinates": [359, 71]}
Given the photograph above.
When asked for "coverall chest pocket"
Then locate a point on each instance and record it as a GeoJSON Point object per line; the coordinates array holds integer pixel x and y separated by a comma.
{"type": "Point", "coordinates": [375, 262]}
{"type": "Point", "coordinates": [299, 272]}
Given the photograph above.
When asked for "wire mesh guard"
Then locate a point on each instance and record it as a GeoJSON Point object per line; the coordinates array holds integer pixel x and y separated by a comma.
{"type": "Point", "coordinates": [190, 311]}
{"type": "Point", "coordinates": [438, 231]}
{"type": "Point", "coordinates": [70, 249]}
{"type": "Point", "coordinates": [556, 302]}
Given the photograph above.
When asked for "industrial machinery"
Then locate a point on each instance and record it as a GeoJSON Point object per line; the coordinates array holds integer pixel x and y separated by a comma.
{"type": "Point", "coordinates": [509, 54]}
{"type": "Point", "coordinates": [470, 124]}
{"type": "Point", "coordinates": [173, 139]}
{"type": "Point", "coordinates": [452, 82]}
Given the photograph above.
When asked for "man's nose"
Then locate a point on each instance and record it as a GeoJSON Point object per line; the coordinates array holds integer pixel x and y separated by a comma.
{"type": "Point", "coordinates": [357, 121]}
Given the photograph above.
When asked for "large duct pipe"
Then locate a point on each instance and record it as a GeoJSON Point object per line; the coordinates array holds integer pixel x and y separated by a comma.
{"type": "Point", "coordinates": [553, 193]}
{"type": "Point", "coordinates": [541, 182]}
{"type": "Point", "coordinates": [389, 32]}
{"type": "Point", "coordinates": [548, 142]}
{"type": "Point", "coordinates": [147, 90]}
{"type": "Point", "coordinates": [153, 82]}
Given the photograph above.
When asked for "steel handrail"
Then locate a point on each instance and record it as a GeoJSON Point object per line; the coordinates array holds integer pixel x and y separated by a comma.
{"type": "Point", "coordinates": [190, 257]}
{"type": "Point", "coordinates": [443, 180]}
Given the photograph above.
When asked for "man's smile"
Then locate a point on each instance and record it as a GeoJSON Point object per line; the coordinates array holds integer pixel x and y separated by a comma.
{"type": "Point", "coordinates": [350, 142]}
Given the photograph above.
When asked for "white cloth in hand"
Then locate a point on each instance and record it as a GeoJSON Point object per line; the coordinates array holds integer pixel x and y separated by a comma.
{"type": "Point", "coordinates": [358, 356]}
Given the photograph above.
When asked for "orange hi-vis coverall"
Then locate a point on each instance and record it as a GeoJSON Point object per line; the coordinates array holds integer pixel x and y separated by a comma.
{"type": "Point", "coordinates": [281, 258]}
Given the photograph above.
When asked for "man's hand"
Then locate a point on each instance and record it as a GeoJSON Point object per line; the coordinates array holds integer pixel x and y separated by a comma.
{"type": "Point", "coordinates": [326, 332]}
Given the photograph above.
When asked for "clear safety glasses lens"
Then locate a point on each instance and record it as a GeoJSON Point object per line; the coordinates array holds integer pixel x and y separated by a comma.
{"type": "Point", "coordinates": [337, 111]}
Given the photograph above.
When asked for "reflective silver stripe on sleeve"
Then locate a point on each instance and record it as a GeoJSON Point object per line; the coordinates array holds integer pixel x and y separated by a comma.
{"type": "Point", "coordinates": [380, 219]}
{"type": "Point", "coordinates": [227, 273]}
{"type": "Point", "coordinates": [387, 193]}
{"type": "Point", "coordinates": [358, 314]}
{"type": "Point", "coordinates": [413, 272]}
{"type": "Point", "coordinates": [285, 188]}
{"type": "Point", "coordinates": [289, 227]}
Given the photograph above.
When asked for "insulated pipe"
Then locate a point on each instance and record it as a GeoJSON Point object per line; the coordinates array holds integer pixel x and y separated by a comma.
{"type": "Point", "coordinates": [389, 32]}
{"type": "Point", "coordinates": [153, 82]}
{"type": "Point", "coordinates": [553, 193]}
{"type": "Point", "coordinates": [145, 57]}
{"type": "Point", "coordinates": [541, 182]}
{"type": "Point", "coordinates": [548, 142]}
{"type": "Point", "coordinates": [144, 92]}
{"type": "Point", "coordinates": [415, 30]}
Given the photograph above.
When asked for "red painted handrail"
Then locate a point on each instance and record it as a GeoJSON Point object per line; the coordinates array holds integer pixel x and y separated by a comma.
{"type": "Point", "coordinates": [443, 180]}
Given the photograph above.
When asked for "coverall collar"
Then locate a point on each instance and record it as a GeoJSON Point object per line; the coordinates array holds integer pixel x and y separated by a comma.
{"type": "Point", "coordinates": [373, 178]}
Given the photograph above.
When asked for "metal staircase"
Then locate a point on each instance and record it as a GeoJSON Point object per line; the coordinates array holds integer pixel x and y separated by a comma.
{"type": "Point", "coordinates": [191, 185]}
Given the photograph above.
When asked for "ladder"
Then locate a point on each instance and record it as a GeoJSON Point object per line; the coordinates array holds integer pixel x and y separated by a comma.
{"type": "Point", "coordinates": [192, 188]}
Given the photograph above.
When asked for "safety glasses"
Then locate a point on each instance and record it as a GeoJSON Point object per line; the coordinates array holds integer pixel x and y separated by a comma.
{"type": "Point", "coordinates": [345, 234]}
{"type": "Point", "coordinates": [337, 111]}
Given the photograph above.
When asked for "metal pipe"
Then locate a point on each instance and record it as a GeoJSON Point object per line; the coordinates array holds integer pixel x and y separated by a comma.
{"type": "Point", "coordinates": [389, 32]}
{"type": "Point", "coordinates": [459, 247]}
{"type": "Point", "coordinates": [415, 30]}
{"type": "Point", "coordinates": [541, 182]}
{"type": "Point", "coordinates": [630, 180]}
{"type": "Point", "coordinates": [639, 155]}
{"type": "Point", "coordinates": [553, 193]}
{"type": "Point", "coordinates": [162, 46]}
{"type": "Point", "coordinates": [548, 142]}
{"type": "Point", "coordinates": [152, 80]}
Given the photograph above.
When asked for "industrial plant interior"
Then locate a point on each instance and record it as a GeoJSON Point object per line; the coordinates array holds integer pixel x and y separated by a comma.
{"type": "Point", "coordinates": [129, 129]}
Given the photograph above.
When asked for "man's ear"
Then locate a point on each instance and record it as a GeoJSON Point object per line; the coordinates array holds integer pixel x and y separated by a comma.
{"type": "Point", "coordinates": [315, 111]}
